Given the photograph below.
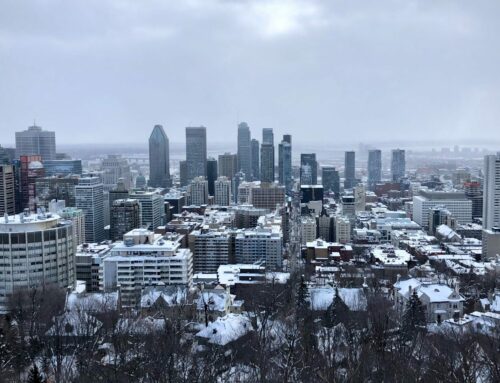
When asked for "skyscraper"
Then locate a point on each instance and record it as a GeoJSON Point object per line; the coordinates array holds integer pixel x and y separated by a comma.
{"type": "Point", "coordinates": [491, 192]}
{"type": "Point", "coordinates": [267, 156]}
{"type": "Point", "coordinates": [30, 169]}
{"type": "Point", "coordinates": [285, 162]}
{"type": "Point", "coordinates": [255, 159]}
{"type": "Point", "coordinates": [183, 173]}
{"type": "Point", "coordinates": [125, 216]}
{"type": "Point", "coordinates": [159, 158]}
{"type": "Point", "coordinates": [152, 208]}
{"type": "Point", "coordinates": [228, 165]}
{"type": "Point", "coordinates": [211, 175]}
{"type": "Point", "coordinates": [398, 165]}
{"type": "Point", "coordinates": [374, 168]}
{"type": "Point", "coordinates": [244, 150]}
{"type": "Point", "coordinates": [7, 190]}
{"type": "Point", "coordinates": [308, 169]}
{"type": "Point", "coordinates": [196, 152]}
{"type": "Point", "coordinates": [198, 191]}
{"type": "Point", "coordinates": [36, 141]}
{"type": "Point", "coordinates": [115, 167]}
{"type": "Point", "coordinates": [350, 170]}
{"type": "Point", "coordinates": [89, 195]}
{"type": "Point", "coordinates": [222, 191]}
{"type": "Point", "coordinates": [330, 180]}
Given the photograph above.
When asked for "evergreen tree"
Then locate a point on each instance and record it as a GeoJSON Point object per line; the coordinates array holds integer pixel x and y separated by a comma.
{"type": "Point", "coordinates": [35, 376]}
{"type": "Point", "coordinates": [302, 298]}
{"type": "Point", "coordinates": [336, 312]}
{"type": "Point", "coordinates": [414, 320]}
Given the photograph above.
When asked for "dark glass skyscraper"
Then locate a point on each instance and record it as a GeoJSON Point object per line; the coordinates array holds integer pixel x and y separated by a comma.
{"type": "Point", "coordinates": [255, 159]}
{"type": "Point", "coordinates": [196, 152]}
{"type": "Point", "coordinates": [159, 158]}
{"type": "Point", "coordinates": [374, 168]}
{"type": "Point", "coordinates": [308, 169]}
{"type": "Point", "coordinates": [285, 162]}
{"type": "Point", "coordinates": [211, 175]}
{"type": "Point", "coordinates": [267, 156]}
{"type": "Point", "coordinates": [350, 170]}
{"type": "Point", "coordinates": [398, 164]}
{"type": "Point", "coordinates": [244, 150]}
{"type": "Point", "coordinates": [330, 180]}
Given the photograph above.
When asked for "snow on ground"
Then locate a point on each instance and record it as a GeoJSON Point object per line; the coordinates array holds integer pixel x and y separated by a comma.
{"type": "Point", "coordinates": [322, 297]}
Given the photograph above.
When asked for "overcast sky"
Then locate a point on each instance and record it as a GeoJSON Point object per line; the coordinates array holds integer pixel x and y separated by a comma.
{"type": "Point", "coordinates": [339, 71]}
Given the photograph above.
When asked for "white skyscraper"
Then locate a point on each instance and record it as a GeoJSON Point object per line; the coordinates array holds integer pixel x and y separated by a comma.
{"type": "Point", "coordinates": [491, 192]}
{"type": "Point", "coordinates": [198, 191]}
{"type": "Point", "coordinates": [89, 196]}
{"type": "Point", "coordinates": [222, 191]}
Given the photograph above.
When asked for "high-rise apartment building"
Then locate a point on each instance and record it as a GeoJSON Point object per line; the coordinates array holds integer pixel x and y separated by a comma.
{"type": "Point", "coordinates": [244, 150]}
{"type": "Point", "coordinates": [7, 190]}
{"type": "Point", "coordinates": [152, 208]}
{"type": "Point", "coordinates": [285, 162]}
{"type": "Point", "coordinates": [261, 245]}
{"type": "Point", "coordinates": [398, 165]}
{"type": "Point", "coordinates": [374, 168]}
{"type": "Point", "coordinates": [210, 250]}
{"type": "Point", "coordinates": [198, 191]}
{"type": "Point", "coordinates": [89, 195]}
{"type": "Point", "coordinates": [255, 145]}
{"type": "Point", "coordinates": [36, 141]}
{"type": "Point", "coordinates": [196, 152]}
{"type": "Point", "coordinates": [125, 216]}
{"type": "Point", "coordinates": [222, 191]}
{"type": "Point", "coordinates": [350, 170]}
{"type": "Point", "coordinates": [331, 180]}
{"type": "Point", "coordinates": [44, 239]}
{"type": "Point", "coordinates": [211, 175]}
{"type": "Point", "coordinates": [228, 165]}
{"type": "Point", "coordinates": [308, 169]}
{"type": "Point", "coordinates": [491, 192]}
{"type": "Point", "coordinates": [159, 158]}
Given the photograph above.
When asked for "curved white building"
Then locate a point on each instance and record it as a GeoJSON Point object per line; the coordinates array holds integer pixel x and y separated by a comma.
{"type": "Point", "coordinates": [35, 249]}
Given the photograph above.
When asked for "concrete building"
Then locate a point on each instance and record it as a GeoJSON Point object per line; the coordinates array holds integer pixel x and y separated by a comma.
{"type": "Point", "coordinates": [35, 141]}
{"type": "Point", "coordinates": [125, 216]}
{"type": "Point", "coordinates": [374, 168]}
{"type": "Point", "coordinates": [144, 259]}
{"type": "Point", "coordinates": [115, 167]}
{"type": "Point", "coordinates": [398, 165]}
{"type": "Point", "coordinates": [152, 208]}
{"type": "Point", "coordinates": [348, 202]}
{"type": "Point", "coordinates": [307, 229]}
{"type": "Point", "coordinates": [260, 246]}
{"type": "Point", "coordinates": [198, 191]}
{"type": "Point", "coordinates": [228, 165]}
{"type": "Point", "coordinates": [267, 196]}
{"type": "Point", "coordinates": [491, 192]}
{"type": "Point", "coordinates": [342, 230]}
{"type": "Point", "coordinates": [359, 198]}
{"type": "Point", "coordinates": [88, 260]}
{"type": "Point", "coordinates": [222, 191]}
{"type": "Point", "coordinates": [89, 196]}
{"type": "Point", "coordinates": [247, 216]}
{"type": "Point", "coordinates": [196, 152]}
{"type": "Point", "coordinates": [244, 150]}
{"type": "Point", "coordinates": [210, 250]}
{"type": "Point", "coordinates": [7, 190]}
{"type": "Point", "coordinates": [159, 158]}
{"type": "Point", "coordinates": [491, 243]}
{"type": "Point", "coordinates": [77, 218]}
{"type": "Point", "coordinates": [35, 249]}
{"type": "Point", "coordinates": [455, 202]}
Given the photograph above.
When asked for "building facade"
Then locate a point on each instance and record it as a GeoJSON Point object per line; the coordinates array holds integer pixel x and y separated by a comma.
{"type": "Point", "coordinates": [89, 195]}
{"type": "Point", "coordinates": [159, 158]}
{"type": "Point", "coordinates": [196, 152]}
{"type": "Point", "coordinates": [35, 141]}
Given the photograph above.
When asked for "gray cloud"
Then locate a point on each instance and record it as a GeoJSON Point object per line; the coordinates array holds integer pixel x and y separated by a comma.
{"type": "Point", "coordinates": [339, 71]}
